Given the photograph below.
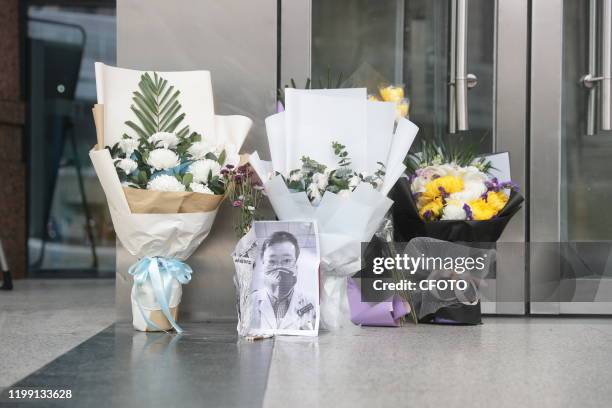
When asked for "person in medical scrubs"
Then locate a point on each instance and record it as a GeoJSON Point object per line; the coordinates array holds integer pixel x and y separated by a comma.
{"type": "Point", "coordinates": [279, 305]}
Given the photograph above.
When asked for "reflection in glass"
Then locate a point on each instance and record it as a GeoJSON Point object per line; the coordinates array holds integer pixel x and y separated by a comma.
{"type": "Point", "coordinates": [586, 187]}
{"type": "Point", "coordinates": [69, 224]}
{"type": "Point", "coordinates": [406, 42]}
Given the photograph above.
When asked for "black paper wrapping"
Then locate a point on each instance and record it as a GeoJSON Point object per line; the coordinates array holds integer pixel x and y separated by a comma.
{"type": "Point", "coordinates": [408, 225]}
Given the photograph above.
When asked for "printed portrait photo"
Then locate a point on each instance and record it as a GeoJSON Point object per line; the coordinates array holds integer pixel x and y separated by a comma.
{"type": "Point", "coordinates": [285, 285]}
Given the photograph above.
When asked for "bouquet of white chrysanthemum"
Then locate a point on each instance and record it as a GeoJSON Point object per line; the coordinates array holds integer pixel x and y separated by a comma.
{"type": "Point", "coordinates": [311, 177]}
{"type": "Point", "coordinates": [162, 159]}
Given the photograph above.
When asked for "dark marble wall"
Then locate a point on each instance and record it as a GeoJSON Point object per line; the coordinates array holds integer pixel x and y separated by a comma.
{"type": "Point", "coordinates": [13, 177]}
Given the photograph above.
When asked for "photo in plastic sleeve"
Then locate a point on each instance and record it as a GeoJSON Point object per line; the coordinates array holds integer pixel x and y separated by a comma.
{"type": "Point", "coordinates": [285, 284]}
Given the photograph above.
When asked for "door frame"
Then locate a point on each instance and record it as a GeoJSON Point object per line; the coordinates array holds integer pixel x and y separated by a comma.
{"type": "Point", "coordinates": [508, 291]}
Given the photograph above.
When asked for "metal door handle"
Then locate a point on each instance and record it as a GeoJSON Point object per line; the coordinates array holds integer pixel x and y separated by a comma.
{"type": "Point", "coordinates": [590, 80]}
{"type": "Point", "coordinates": [606, 64]}
{"type": "Point", "coordinates": [461, 77]}
{"type": "Point", "coordinates": [459, 80]}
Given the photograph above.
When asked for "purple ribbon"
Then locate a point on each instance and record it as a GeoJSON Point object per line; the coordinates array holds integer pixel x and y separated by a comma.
{"type": "Point", "coordinates": [387, 313]}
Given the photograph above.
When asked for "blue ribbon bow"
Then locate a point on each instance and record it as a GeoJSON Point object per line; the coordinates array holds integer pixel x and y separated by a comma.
{"type": "Point", "coordinates": [160, 271]}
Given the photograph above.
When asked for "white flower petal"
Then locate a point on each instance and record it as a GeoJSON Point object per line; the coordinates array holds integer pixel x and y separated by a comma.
{"type": "Point", "coordinates": [167, 140]}
{"type": "Point", "coordinates": [163, 182]}
{"type": "Point", "coordinates": [200, 188]}
{"type": "Point", "coordinates": [201, 169]}
{"type": "Point", "coordinates": [199, 150]}
{"type": "Point", "coordinates": [163, 159]}
{"type": "Point", "coordinates": [128, 146]}
{"type": "Point", "coordinates": [453, 210]}
{"type": "Point", "coordinates": [127, 165]}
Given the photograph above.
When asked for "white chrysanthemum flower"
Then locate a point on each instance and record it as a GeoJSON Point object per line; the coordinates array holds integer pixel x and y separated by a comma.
{"type": "Point", "coordinates": [296, 176]}
{"type": "Point", "coordinates": [163, 182]}
{"type": "Point", "coordinates": [199, 150]}
{"type": "Point", "coordinates": [167, 140]}
{"type": "Point", "coordinates": [453, 210]}
{"type": "Point", "coordinates": [320, 180]}
{"type": "Point", "coordinates": [163, 159]}
{"type": "Point", "coordinates": [314, 194]}
{"type": "Point", "coordinates": [473, 184]}
{"type": "Point", "coordinates": [127, 165]}
{"type": "Point", "coordinates": [418, 184]}
{"type": "Point", "coordinates": [200, 188]}
{"type": "Point", "coordinates": [472, 190]}
{"type": "Point", "coordinates": [128, 146]}
{"type": "Point", "coordinates": [354, 182]}
{"type": "Point", "coordinates": [201, 169]}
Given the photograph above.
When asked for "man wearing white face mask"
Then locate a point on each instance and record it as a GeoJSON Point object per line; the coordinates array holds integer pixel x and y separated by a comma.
{"type": "Point", "coordinates": [278, 305]}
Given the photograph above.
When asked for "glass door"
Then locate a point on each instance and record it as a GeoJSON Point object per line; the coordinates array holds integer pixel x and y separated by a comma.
{"type": "Point", "coordinates": [571, 267]}
{"type": "Point", "coordinates": [413, 45]}
{"type": "Point", "coordinates": [448, 62]}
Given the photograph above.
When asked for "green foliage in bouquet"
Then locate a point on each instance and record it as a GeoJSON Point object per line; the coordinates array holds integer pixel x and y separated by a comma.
{"type": "Point", "coordinates": [157, 110]}
{"type": "Point", "coordinates": [315, 178]}
{"type": "Point", "coordinates": [157, 107]}
{"type": "Point", "coordinates": [434, 152]}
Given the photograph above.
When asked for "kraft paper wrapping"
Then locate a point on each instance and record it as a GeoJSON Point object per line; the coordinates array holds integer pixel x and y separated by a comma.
{"type": "Point", "coordinates": [165, 202]}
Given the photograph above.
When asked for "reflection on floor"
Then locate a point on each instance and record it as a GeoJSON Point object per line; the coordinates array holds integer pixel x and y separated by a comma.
{"type": "Point", "coordinates": [539, 362]}
{"type": "Point", "coordinates": [42, 319]}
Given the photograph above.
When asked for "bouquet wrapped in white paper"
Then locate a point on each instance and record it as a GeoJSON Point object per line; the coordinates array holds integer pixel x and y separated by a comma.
{"type": "Point", "coordinates": [160, 158]}
{"type": "Point", "coordinates": [335, 156]}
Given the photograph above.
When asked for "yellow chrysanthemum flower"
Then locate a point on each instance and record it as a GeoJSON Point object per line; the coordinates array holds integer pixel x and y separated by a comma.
{"type": "Point", "coordinates": [481, 210]}
{"type": "Point", "coordinates": [401, 109]}
{"type": "Point", "coordinates": [449, 184]}
{"type": "Point", "coordinates": [392, 93]}
{"type": "Point", "coordinates": [433, 209]}
{"type": "Point", "coordinates": [497, 200]}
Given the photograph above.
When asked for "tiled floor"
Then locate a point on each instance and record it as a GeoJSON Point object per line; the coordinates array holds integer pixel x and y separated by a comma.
{"type": "Point", "coordinates": [42, 319]}
{"type": "Point", "coordinates": [506, 362]}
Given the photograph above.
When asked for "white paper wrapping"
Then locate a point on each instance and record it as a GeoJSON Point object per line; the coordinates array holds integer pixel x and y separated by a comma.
{"type": "Point", "coordinates": [116, 85]}
{"type": "Point", "coordinates": [311, 122]}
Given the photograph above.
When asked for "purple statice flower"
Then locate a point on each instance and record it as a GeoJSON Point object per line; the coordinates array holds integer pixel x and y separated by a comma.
{"type": "Point", "coordinates": [443, 192]}
{"type": "Point", "coordinates": [509, 185]}
{"type": "Point", "coordinates": [427, 214]}
{"type": "Point", "coordinates": [468, 212]}
{"type": "Point", "coordinates": [492, 184]}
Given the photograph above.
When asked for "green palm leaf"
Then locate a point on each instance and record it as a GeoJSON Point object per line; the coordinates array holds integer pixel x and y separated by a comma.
{"type": "Point", "coordinates": [156, 107]}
